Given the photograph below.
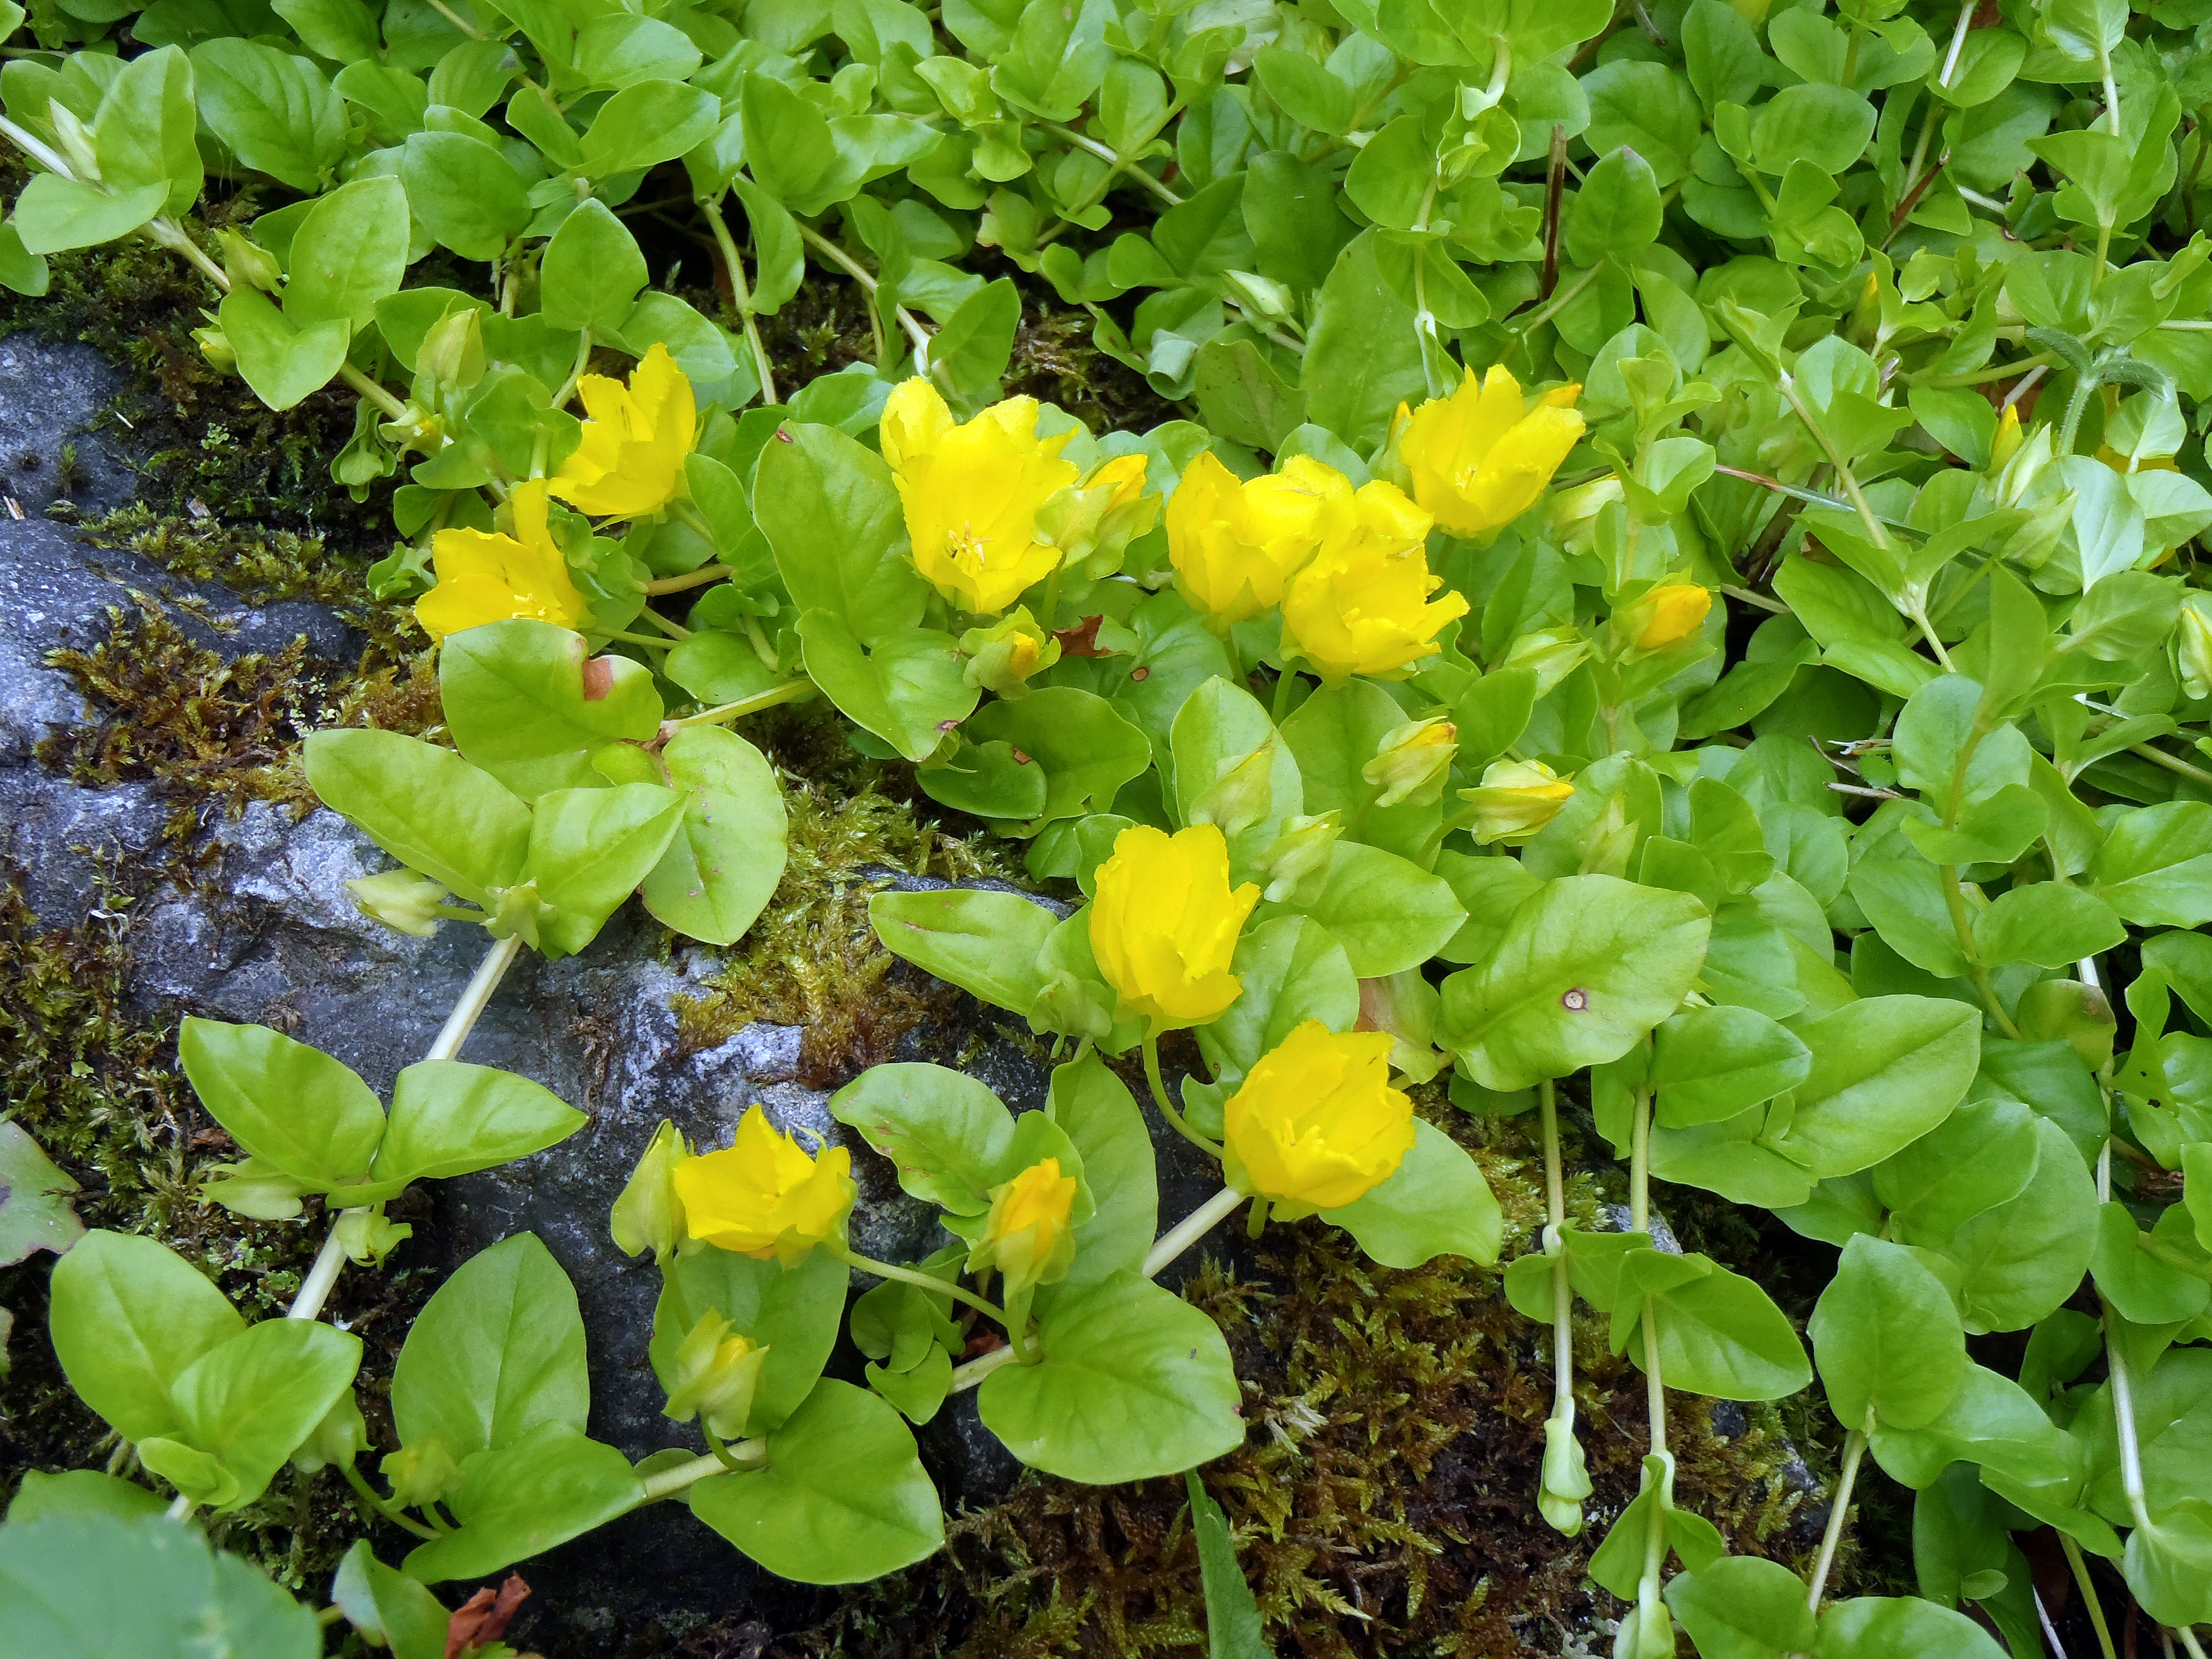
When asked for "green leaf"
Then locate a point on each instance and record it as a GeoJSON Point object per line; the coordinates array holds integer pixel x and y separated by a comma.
{"type": "Point", "coordinates": [1886, 1071]}
{"type": "Point", "coordinates": [449, 1118]}
{"type": "Point", "coordinates": [1982, 1155]}
{"type": "Point", "coordinates": [794, 1313]}
{"type": "Point", "coordinates": [467, 195]}
{"type": "Point", "coordinates": [2169, 1564]}
{"type": "Point", "coordinates": [496, 1353]}
{"type": "Point", "coordinates": [274, 111]}
{"type": "Point", "coordinates": [1719, 1333]}
{"type": "Point", "coordinates": [591, 272]}
{"type": "Point", "coordinates": [2023, 1258]}
{"type": "Point", "coordinates": [282, 1102]}
{"type": "Point", "coordinates": [146, 129]}
{"type": "Point", "coordinates": [34, 1209]}
{"type": "Point", "coordinates": [1134, 1382]}
{"type": "Point", "coordinates": [1087, 751]}
{"type": "Point", "coordinates": [2155, 866]}
{"type": "Point", "coordinates": [59, 1577]}
{"type": "Point", "coordinates": [1616, 213]}
{"type": "Point", "coordinates": [906, 686]}
{"type": "Point", "coordinates": [53, 214]}
{"type": "Point", "coordinates": [2141, 1287]}
{"type": "Point", "coordinates": [1743, 1607]}
{"type": "Point", "coordinates": [1711, 1063]}
{"type": "Point", "coordinates": [1388, 913]}
{"type": "Point", "coordinates": [947, 1133]}
{"type": "Point", "coordinates": [1586, 965]}
{"type": "Point", "coordinates": [1233, 1615]}
{"type": "Point", "coordinates": [643, 125]}
{"type": "Point", "coordinates": [348, 253]}
{"type": "Point", "coordinates": [1888, 1340]}
{"type": "Point", "coordinates": [2047, 923]}
{"type": "Point", "coordinates": [589, 849]}
{"type": "Point", "coordinates": [1100, 1117]}
{"type": "Point", "coordinates": [1899, 1627]}
{"type": "Point", "coordinates": [1293, 969]}
{"type": "Point", "coordinates": [425, 806]}
{"type": "Point", "coordinates": [729, 855]}
{"type": "Point", "coordinates": [80, 1492]}
{"type": "Point", "coordinates": [525, 701]}
{"type": "Point", "coordinates": [282, 362]}
{"type": "Point", "coordinates": [129, 1318]}
{"type": "Point", "coordinates": [1362, 360]}
{"type": "Point", "coordinates": [521, 1499]}
{"type": "Point", "coordinates": [388, 1606]}
{"type": "Point", "coordinates": [843, 1499]}
{"type": "Point", "coordinates": [985, 943]}
{"type": "Point", "coordinates": [1436, 1203]}
{"type": "Point", "coordinates": [248, 1403]}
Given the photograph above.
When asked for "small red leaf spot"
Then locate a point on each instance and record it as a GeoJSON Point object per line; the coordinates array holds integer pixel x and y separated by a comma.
{"type": "Point", "coordinates": [599, 679]}
{"type": "Point", "coordinates": [1020, 759]}
{"type": "Point", "coordinates": [783, 435]}
{"type": "Point", "coordinates": [1575, 1000]}
{"type": "Point", "coordinates": [1140, 674]}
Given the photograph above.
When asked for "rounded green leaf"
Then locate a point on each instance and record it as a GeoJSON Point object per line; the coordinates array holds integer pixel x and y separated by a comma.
{"type": "Point", "coordinates": [129, 1317]}
{"type": "Point", "coordinates": [1134, 1382]}
{"type": "Point", "coordinates": [496, 1352]}
{"type": "Point", "coordinates": [249, 1403]}
{"type": "Point", "coordinates": [592, 270]}
{"type": "Point", "coordinates": [1742, 1607]}
{"type": "Point", "coordinates": [1436, 1203]}
{"type": "Point", "coordinates": [465, 193]}
{"type": "Point", "coordinates": [1586, 965]}
{"type": "Point", "coordinates": [722, 868]}
{"type": "Point", "coordinates": [985, 943]}
{"type": "Point", "coordinates": [527, 702]}
{"type": "Point", "coordinates": [1291, 971]}
{"type": "Point", "coordinates": [1887, 1339]}
{"type": "Point", "coordinates": [290, 1105]}
{"type": "Point", "coordinates": [1708, 1064]}
{"type": "Point", "coordinates": [522, 1498]}
{"type": "Point", "coordinates": [947, 1133]}
{"type": "Point", "coordinates": [793, 1312]}
{"type": "Point", "coordinates": [348, 253]}
{"type": "Point", "coordinates": [1899, 1627]}
{"type": "Point", "coordinates": [450, 1118]}
{"type": "Point", "coordinates": [1885, 1070]}
{"type": "Point", "coordinates": [425, 806]}
{"type": "Point", "coordinates": [844, 1498]}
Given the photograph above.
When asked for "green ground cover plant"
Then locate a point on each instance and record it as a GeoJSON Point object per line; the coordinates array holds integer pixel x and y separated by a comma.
{"type": "Point", "coordinates": [1674, 569]}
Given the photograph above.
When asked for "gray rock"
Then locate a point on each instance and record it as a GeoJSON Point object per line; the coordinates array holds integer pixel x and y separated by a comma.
{"type": "Point", "coordinates": [56, 397]}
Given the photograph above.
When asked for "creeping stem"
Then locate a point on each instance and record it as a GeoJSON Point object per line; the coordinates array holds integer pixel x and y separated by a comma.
{"type": "Point", "coordinates": [389, 1510]}
{"type": "Point", "coordinates": [1854, 1445]}
{"type": "Point", "coordinates": [1639, 1220]}
{"type": "Point", "coordinates": [1181, 1124]}
{"type": "Point", "coordinates": [1555, 1246]}
{"type": "Point", "coordinates": [315, 1289]}
{"type": "Point", "coordinates": [1192, 1227]}
{"type": "Point", "coordinates": [853, 1258]}
{"type": "Point", "coordinates": [743, 294]}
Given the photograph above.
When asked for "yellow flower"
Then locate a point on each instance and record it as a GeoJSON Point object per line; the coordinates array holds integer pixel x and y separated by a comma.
{"type": "Point", "coordinates": [1316, 1123]}
{"type": "Point", "coordinates": [630, 462]}
{"type": "Point", "coordinates": [1026, 1237]}
{"type": "Point", "coordinates": [1665, 615]}
{"type": "Point", "coordinates": [764, 1196]}
{"type": "Point", "coordinates": [1235, 544]}
{"type": "Point", "coordinates": [972, 493]}
{"type": "Point", "coordinates": [1359, 607]}
{"type": "Point", "coordinates": [488, 577]}
{"type": "Point", "coordinates": [2007, 442]}
{"type": "Point", "coordinates": [1516, 800]}
{"type": "Point", "coordinates": [716, 1376]}
{"type": "Point", "coordinates": [1479, 459]}
{"type": "Point", "coordinates": [1003, 656]}
{"type": "Point", "coordinates": [1164, 925]}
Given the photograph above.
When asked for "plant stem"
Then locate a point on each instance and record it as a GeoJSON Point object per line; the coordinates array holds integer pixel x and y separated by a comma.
{"type": "Point", "coordinates": [1854, 1445]}
{"type": "Point", "coordinates": [649, 642]}
{"type": "Point", "coordinates": [2089, 1600]}
{"type": "Point", "coordinates": [389, 1510]}
{"type": "Point", "coordinates": [180, 1508]}
{"type": "Point", "coordinates": [1787, 387]}
{"type": "Point", "coordinates": [2189, 1640]}
{"type": "Point", "coordinates": [1557, 302]}
{"type": "Point", "coordinates": [1654, 1388]}
{"type": "Point", "coordinates": [1994, 372]}
{"type": "Point", "coordinates": [668, 1482]}
{"type": "Point", "coordinates": [1555, 1246]}
{"type": "Point", "coordinates": [1192, 1227]}
{"type": "Point", "coordinates": [969, 1375]}
{"type": "Point", "coordinates": [853, 1258]}
{"type": "Point", "coordinates": [1285, 688]}
{"type": "Point", "coordinates": [860, 274]}
{"type": "Point", "coordinates": [1160, 1099]}
{"type": "Point", "coordinates": [743, 293]}
{"type": "Point", "coordinates": [1115, 162]}
{"type": "Point", "coordinates": [2124, 1422]}
{"type": "Point", "coordinates": [690, 579]}
{"type": "Point", "coordinates": [315, 1289]}
{"type": "Point", "coordinates": [795, 690]}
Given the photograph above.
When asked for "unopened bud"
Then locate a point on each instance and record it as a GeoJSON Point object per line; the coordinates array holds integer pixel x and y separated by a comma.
{"type": "Point", "coordinates": [1002, 657]}
{"type": "Point", "coordinates": [1411, 761]}
{"type": "Point", "coordinates": [453, 352]}
{"type": "Point", "coordinates": [247, 266]}
{"type": "Point", "coordinates": [215, 346]}
{"type": "Point", "coordinates": [1550, 654]}
{"type": "Point", "coordinates": [421, 1474]}
{"type": "Point", "coordinates": [366, 1238]}
{"type": "Point", "coordinates": [716, 1376]}
{"type": "Point", "coordinates": [1516, 800]}
{"type": "Point", "coordinates": [1240, 798]}
{"type": "Point", "coordinates": [1666, 615]}
{"type": "Point", "coordinates": [1300, 851]}
{"type": "Point", "coordinates": [2193, 639]}
{"type": "Point", "coordinates": [402, 899]}
{"type": "Point", "coordinates": [648, 1215]}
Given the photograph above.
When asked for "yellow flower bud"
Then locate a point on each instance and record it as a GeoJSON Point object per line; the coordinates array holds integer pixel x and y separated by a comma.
{"type": "Point", "coordinates": [1666, 616]}
{"type": "Point", "coordinates": [1515, 800]}
{"type": "Point", "coordinates": [489, 578]}
{"type": "Point", "coordinates": [1164, 924]}
{"type": "Point", "coordinates": [716, 1376]}
{"type": "Point", "coordinates": [1300, 851]}
{"type": "Point", "coordinates": [2006, 444]}
{"type": "Point", "coordinates": [764, 1196]}
{"type": "Point", "coordinates": [648, 1215]}
{"type": "Point", "coordinates": [400, 898]}
{"type": "Point", "coordinates": [1572, 515]}
{"type": "Point", "coordinates": [972, 493]}
{"type": "Point", "coordinates": [1480, 458]}
{"type": "Point", "coordinates": [452, 353]}
{"type": "Point", "coordinates": [1315, 1123]}
{"type": "Point", "coordinates": [630, 462]}
{"type": "Point", "coordinates": [2193, 644]}
{"type": "Point", "coordinates": [1412, 761]}
{"type": "Point", "coordinates": [1235, 545]}
{"type": "Point", "coordinates": [1360, 606]}
{"type": "Point", "coordinates": [1002, 657]}
{"type": "Point", "coordinates": [1093, 523]}
{"type": "Point", "coordinates": [1026, 1236]}
{"type": "Point", "coordinates": [215, 346]}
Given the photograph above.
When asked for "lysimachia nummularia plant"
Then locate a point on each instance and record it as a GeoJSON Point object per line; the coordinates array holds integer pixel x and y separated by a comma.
{"type": "Point", "coordinates": [1671, 591]}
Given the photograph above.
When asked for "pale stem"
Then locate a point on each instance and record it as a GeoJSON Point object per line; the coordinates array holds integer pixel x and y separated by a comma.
{"type": "Point", "coordinates": [860, 274]}
{"type": "Point", "coordinates": [1957, 41]}
{"type": "Point", "coordinates": [969, 1375]}
{"type": "Point", "coordinates": [1181, 1124]}
{"type": "Point", "coordinates": [1555, 1215]}
{"type": "Point", "coordinates": [583, 362]}
{"type": "Point", "coordinates": [797, 690]}
{"type": "Point", "coordinates": [1116, 163]}
{"type": "Point", "coordinates": [329, 1260]}
{"type": "Point", "coordinates": [1788, 387]}
{"type": "Point", "coordinates": [668, 1482]}
{"type": "Point", "coordinates": [690, 579]}
{"type": "Point", "coordinates": [743, 295]}
{"type": "Point", "coordinates": [1192, 1227]}
{"type": "Point", "coordinates": [2124, 1420]}
{"type": "Point", "coordinates": [853, 1258]}
{"type": "Point", "coordinates": [180, 1507]}
{"type": "Point", "coordinates": [2189, 1640]}
{"type": "Point", "coordinates": [1654, 1388]}
{"type": "Point", "coordinates": [1854, 1445]}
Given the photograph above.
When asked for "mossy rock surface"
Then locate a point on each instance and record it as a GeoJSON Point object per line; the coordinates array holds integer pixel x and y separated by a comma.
{"type": "Point", "coordinates": [164, 858]}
